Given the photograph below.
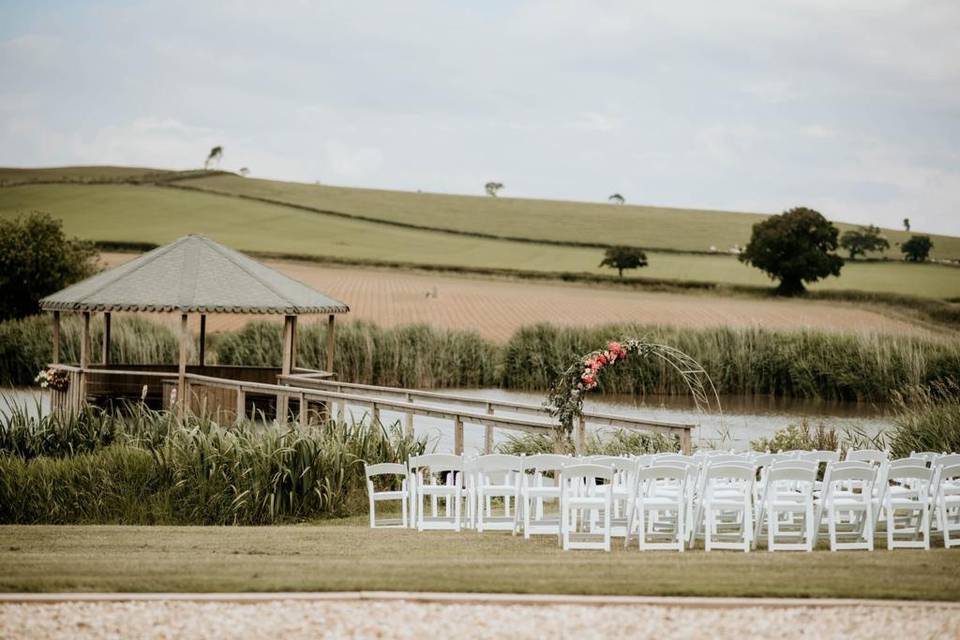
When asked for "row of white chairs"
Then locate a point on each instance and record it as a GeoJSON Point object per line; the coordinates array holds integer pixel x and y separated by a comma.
{"type": "Point", "coordinates": [671, 501]}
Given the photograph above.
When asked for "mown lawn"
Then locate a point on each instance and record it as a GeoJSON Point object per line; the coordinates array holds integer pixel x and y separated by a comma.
{"type": "Point", "coordinates": [160, 215]}
{"type": "Point", "coordinates": [346, 555]}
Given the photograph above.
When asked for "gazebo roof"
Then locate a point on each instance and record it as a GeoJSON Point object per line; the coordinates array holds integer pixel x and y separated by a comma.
{"type": "Point", "coordinates": [193, 275]}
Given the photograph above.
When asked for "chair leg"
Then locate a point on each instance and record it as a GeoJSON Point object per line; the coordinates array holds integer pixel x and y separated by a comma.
{"type": "Point", "coordinates": [373, 517]}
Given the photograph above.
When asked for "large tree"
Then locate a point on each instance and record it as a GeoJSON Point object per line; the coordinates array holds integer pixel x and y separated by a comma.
{"type": "Point", "coordinates": [795, 247]}
{"type": "Point", "coordinates": [917, 248]}
{"type": "Point", "coordinates": [215, 154]}
{"type": "Point", "coordinates": [492, 188]}
{"type": "Point", "coordinates": [36, 259]}
{"type": "Point", "coordinates": [862, 241]}
{"type": "Point", "coordinates": [621, 258]}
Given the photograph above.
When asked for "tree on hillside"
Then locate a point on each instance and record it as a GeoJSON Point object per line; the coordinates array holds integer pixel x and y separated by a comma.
{"type": "Point", "coordinates": [860, 242]}
{"type": "Point", "coordinates": [621, 258]}
{"type": "Point", "coordinates": [37, 259]}
{"type": "Point", "coordinates": [215, 154]}
{"type": "Point", "coordinates": [244, 172]}
{"type": "Point", "coordinates": [616, 199]}
{"type": "Point", "coordinates": [492, 188]}
{"type": "Point", "coordinates": [794, 247]}
{"type": "Point", "coordinates": [917, 248]}
{"type": "Point", "coordinates": [906, 224]}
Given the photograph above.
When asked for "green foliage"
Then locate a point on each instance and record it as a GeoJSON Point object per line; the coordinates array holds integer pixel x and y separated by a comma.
{"type": "Point", "coordinates": [864, 240]}
{"type": "Point", "coordinates": [927, 418]}
{"type": "Point", "coordinates": [615, 442]}
{"type": "Point", "coordinates": [621, 258]}
{"type": "Point", "coordinates": [794, 247]}
{"type": "Point", "coordinates": [917, 248]}
{"type": "Point", "coordinates": [799, 437]}
{"type": "Point", "coordinates": [149, 467]}
{"type": "Point", "coordinates": [803, 364]}
{"type": "Point", "coordinates": [37, 259]}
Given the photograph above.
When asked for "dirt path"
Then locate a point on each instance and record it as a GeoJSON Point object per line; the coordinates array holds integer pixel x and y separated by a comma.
{"type": "Point", "coordinates": [306, 619]}
{"type": "Point", "coordinates": [497, 308]}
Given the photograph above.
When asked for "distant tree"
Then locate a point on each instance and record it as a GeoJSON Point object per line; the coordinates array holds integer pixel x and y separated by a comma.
{"type": "Point", "coordinates": [616, 199]}
{"type": "Point", "coordinates": [621, 258]}
{"type": "Point", "coordinates": [917, 248]}
{"type": "Point", "coordinates": [862, 241]}
{"type": "Point", "coordinates": [794, 247]}
{"type": "Point", "coordinates": [492, 188]}
{"type": "Point", "coordinates": [37, 259]}
{"type": "Point", "coordinates": [244, 172]}
{"type": "Point", "coordinates": [215, 154]}
{"type": "Point", "coordinates": [906, 224]}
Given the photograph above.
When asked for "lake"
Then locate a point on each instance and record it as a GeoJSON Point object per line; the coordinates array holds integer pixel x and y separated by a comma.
{"type": "Point", "coordinates": [745, 418]}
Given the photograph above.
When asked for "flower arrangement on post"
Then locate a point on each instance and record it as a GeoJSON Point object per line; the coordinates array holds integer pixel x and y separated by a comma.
{"type": "Point", "coordinates": [52, 378]}
{"type": "Point", "coordinates": [566, 398]}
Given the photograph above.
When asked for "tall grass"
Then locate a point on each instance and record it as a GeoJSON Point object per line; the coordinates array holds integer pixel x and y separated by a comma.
{"type": "Point", "coordinates": [150, 468]}
{"type": "Point", "coordinates": [804, 364]}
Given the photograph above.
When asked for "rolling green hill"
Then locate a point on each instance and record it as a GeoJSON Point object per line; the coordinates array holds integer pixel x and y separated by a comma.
{"type": "Point", "coordinates": [159, 214]}
{"type": "Point", "coordinates": [545, 220]}
{"type": "Point", "coordinates": [142, 205]}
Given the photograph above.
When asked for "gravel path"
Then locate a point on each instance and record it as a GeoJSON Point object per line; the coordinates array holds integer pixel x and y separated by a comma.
{"type": "Point", "coordinates": [292, 619]}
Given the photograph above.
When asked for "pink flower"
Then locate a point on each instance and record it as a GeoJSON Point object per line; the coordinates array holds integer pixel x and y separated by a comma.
{"type": "Point", "coordinates": [588, 380]}
{"type": "Point", "coordinates": [615, 347]}
{"type": "Point", "coordinates": [602, 359]}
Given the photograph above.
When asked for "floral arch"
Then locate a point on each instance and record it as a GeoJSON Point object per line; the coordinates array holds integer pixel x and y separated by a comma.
{"type": "Point", "coordinates": [566, 398]}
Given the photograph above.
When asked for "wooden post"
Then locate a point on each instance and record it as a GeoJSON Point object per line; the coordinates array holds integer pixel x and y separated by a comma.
{"type": "Point", "coordinates": [304, 413]}
{"type": "Point", "coordinates": [182, 400]}
{"type": "Point", "coordinates": [84, 362]}
{"type": "Point", "coordinates": [286, 367]}
{"type": "Point", "coordinates": [581, 435]}
{"type": "Point", "coordinates": [488, 432]}
{"type": "Point", "coordinates": [202, 356]}
{"type": "Point", "coordinates": [685, 445]}
{"type": "Point", "coordinates": [330, 341]}
{"type": "Point", "coordinates": [105, 347]}
{"type": "Point", "coordinates": [408, 421]}
{"type": "Point", "coordinates": [458, 436]}
{"type": "Point", "coordinates": [56, 337]}
{"type": "Point", "coordinates": [375, 414]}
{"type": "Point", "coordinates": [241, 405]}
{"type": "Point", "coordinates": [293, 343]}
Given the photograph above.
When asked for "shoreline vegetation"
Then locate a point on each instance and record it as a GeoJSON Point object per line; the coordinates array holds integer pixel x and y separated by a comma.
{"type": "Point", "coordinates": [741, 361]}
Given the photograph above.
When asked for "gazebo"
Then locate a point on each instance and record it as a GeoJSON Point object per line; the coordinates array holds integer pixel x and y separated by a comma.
{"type": "Point", "coordinates": [193, 276]}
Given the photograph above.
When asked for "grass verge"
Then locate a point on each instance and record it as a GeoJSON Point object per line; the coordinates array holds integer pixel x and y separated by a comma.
{"type": "Point", "coordinates": [346, 556]}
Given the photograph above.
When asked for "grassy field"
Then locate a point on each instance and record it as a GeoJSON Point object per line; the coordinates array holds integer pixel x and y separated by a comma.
{"type": "Point", "coordinates": [554, 220]}
{"type": "Point", "coordinates": [346, 555]}
{"type": "Point", "coordinates": [160, 214]}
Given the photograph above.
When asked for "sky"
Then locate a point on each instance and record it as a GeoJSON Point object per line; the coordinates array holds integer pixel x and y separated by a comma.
{"type": "Point", "coordinates": [849, 107]}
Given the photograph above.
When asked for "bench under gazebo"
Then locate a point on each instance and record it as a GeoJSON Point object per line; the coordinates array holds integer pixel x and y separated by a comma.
{"type": "Point", "coordinates": [192, 277]}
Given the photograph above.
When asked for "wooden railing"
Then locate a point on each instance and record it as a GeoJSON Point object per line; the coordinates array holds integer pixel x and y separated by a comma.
{"type": "Point", "coordinates": [682, 430]}
{"type": "Point", "coordinates": [227, 399]}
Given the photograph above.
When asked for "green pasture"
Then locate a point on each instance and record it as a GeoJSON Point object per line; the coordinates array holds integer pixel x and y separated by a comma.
{"type": "Point", "coordinates": [345, 555]}
{"type": "Point", "coordinates": [555, 220]}
{"type": "Point", "coordinates": [147, 213]}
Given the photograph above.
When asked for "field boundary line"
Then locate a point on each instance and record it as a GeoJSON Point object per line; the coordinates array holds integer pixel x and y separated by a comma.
{"type": "Point", "coordinates": [694, 602]}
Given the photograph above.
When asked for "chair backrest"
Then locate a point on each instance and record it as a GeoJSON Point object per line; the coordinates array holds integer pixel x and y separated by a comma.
{"type": "Point", "coordinates": [586, 471]}
{"type": "Point", "coordinates": [541, 462]}
{"type": "Point", "coordinates": [731, 471]}
{"type": "Point", "coordinates": [643, 461]}
{"type": "Point", "coordinates": [949, 472]}
{"type": "Point", "coordinates": [852, 471]}
{"type": "Point", "coordinates": [663, 472]}
{"type": "Point", "coordinates": [384, 469]}
{"type": "Point", "coordinates": [905, 463]}
{"type": "Point", "coordinates": [820, 456]}
{"type": "Point", "coordinates": [498, 462]}
{"type": "Point", "coordinates": [926, 456]}
{"type": "Point", "coordinates": [792, 470]}
{"type": "Point", "coordinates": [874, 456]}
{"type": "Point", "coordinates": [437, 462]}
{"type": "Point", "coordinates": [670, 457]}
{"type": "Point", "coordinates": [947, 460]}
{"type": "Point", "coordinates": [727, 458]}
{"type": "Point", "coordinates": [906, 472]}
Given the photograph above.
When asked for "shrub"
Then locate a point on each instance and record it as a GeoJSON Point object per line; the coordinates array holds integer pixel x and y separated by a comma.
{"type": "Point", "coordinates": [927, 418]}
{"type": "Point", "coordinates": [609, 443]}
{"type": "Point", "coordinates": [799, 437]}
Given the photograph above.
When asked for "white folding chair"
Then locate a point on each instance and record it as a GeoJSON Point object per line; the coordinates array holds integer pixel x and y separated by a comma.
{"type": "Point", "coordinates": [438, 476]}
{"type": "Point", "coordinates": [727, 506]}
{"type": "Point", "coordinates": [660, 492]}
{"type": "Point", "coordinates": [849, 504]}
{"type": "Point", "coordinates": [393, 471]}
{"type": "Point", "coordinates": [908, 507]}
{"type": "Point", "coordinates": [497, 476]}
{"type": "Point", "coordinates": [622, 490]}
{"type": "Point", "coordinates": [947, 504]}
{"type": "Point", "coordinates": [787, 506]}
{"type": "Point", "coordinates": [926, 456]}
{"type": "Point", "coordinates": [540, 484]}
{"type": "Point", "coordinates": [585, 501]}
